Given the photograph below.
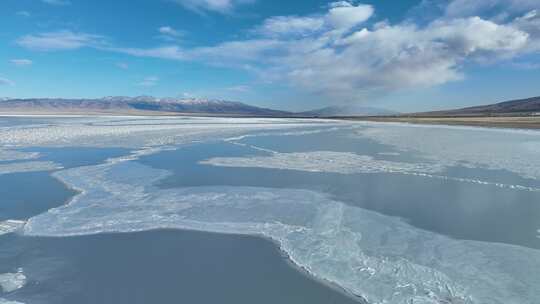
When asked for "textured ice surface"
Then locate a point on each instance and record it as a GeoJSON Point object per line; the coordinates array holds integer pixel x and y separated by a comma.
{"type": "Point", "coordinates": [4, 301]}
{"type": "Point", "coordinates": [31, 166]}
{"type": "Point", "coordinates": [12, 281]}
{"type": "Point", "coordinates": [344, 163]}
{"type": "Point", "coordinates": [377, 257]}
{"type": "Point", "coordinates": [10, 226]}
{"type": "Point", "coordinates": [10, 155]}
{"type": "Point", "coordinates": [137, 132]}
{"type": "Point", "coordinates": [324, 161]}
{"type": "Point", "coordinates": [513, 150]}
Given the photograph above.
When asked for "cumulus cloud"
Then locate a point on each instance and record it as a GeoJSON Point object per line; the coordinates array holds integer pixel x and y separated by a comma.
{"type": "Point", "coordinates": [220, 6]}
{"type": "Point", "coordinates": [5, 81]}
{"type": "Point", "coordinates": [342, 58]}
{"type": "Point", "coordinates": [343, 53]}
{"type": "Point", "coordinates": [530, 23]}
{"type": "Point", "coordinates": [21, 62]}
{"type": "Point", "coordinates": [344, 15]}
{"type": "Point", "coordinates": [61, 40]}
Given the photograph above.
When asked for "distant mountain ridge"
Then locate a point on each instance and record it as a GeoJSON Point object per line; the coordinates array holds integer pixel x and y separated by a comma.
{"type": "Point", "coordinates": [128, 105]}
{"type": "Point", "coordinates": [513, 107]}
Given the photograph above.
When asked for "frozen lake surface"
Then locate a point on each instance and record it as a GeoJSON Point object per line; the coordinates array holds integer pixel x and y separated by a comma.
{"type": "Point", "coordinates": [387, 213]}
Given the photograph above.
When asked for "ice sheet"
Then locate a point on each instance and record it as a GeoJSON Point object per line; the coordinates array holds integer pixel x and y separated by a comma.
{"type": "Point", "coordinates": [324, 161]}
{"type": "Point", "coordinates": [10, 155]}
{"type": "Point", "coordinates": [513, 150]}
{"type": "Point", "coordinates": [10, 226]}
{"type": "Point", "coordinates": [31, 166]}
{"type": "Point", "coordinates": [345, 163]}
{"type": "Point", "coordinates": [377, 257]}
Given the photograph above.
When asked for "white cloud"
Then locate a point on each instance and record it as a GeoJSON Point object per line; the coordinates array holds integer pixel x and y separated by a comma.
{"type": "Point", "coordinates": [23, 14]}
{"type": "Point", "coordinates": [290, 25]}
{"type": "Point", "coordinates": [341, 53]}
{"type": "Point", "coordinates": [344, 15]}
{"type": "Point", "coordinates": [57, 2]}
{"type": "Point", "coordinates": [21, 62]}
{"type": "Point", "coordinates": [220, 6]}
{"type": "Point", "coordinates": [170, 34]}
{"type": "Point", "coordinates": [5, 81]}
{"type": "Point", "coordinates": [467, 8]}
{"type": "Point", "coordinates": [167, 30]}
{"type": "Point", "coordinates": [122, 65]}
{"type": "Point", "coordinates": [530, 23]}
{"type": "Point", "coordinates": [166, 52]}
{"type": "Point", "coordinates": [61, 40]}
{"type": "Point", "coordinates": [149, 81]}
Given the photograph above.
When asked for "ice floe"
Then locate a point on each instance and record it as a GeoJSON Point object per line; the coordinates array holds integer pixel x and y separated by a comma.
{"type": "Point", "coordinates": [4, 301]}
{"type": "Point", "coordinates": [10, 282]}
{"type": "Point", "coordinates": [324, 161]}
{"type": "Point", "coordinates": [345, 163]}
{"type": "Point", "coordinates": [10, 226]}
{"type": "Point", "coordinates": [513, 150]}
{"type": "Point", "coordinates": [377, 257]}
{"type": "Point", "coordinates": [11, 155]}
{"type": "Point", "coordinates": [31, 166]}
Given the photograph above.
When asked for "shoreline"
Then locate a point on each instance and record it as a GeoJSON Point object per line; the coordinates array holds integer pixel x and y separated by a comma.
{"type": "Point", "coordinates": [506, 122]}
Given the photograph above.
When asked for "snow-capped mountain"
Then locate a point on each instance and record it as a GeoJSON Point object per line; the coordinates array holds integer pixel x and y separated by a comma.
{"type": "Point", "coordinates": [127, 105]}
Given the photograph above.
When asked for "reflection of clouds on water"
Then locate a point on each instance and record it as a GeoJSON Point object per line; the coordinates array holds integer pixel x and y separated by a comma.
{"type": "Point", "coordinates": [378, 257]}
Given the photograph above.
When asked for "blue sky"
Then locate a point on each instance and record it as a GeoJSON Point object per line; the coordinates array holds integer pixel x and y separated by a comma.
{"type": "Point", "coordinates": [405, 55]}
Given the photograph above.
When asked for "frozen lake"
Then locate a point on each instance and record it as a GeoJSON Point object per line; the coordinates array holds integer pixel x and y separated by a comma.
{"type": "Point", "coordinates": [175, 207]}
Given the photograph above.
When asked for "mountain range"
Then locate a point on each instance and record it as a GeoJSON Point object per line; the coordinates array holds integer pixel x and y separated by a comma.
{"type": "Point", "coordinates": [518, 107]}
{"type": "Point", "coordinates": [135, 105]}
{"type": "Point", "coordinates": [148, 105]}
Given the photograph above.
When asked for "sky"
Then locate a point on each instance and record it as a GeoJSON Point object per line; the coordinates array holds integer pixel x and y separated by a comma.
{"type": "Point", "coordinates": [407, 55]}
